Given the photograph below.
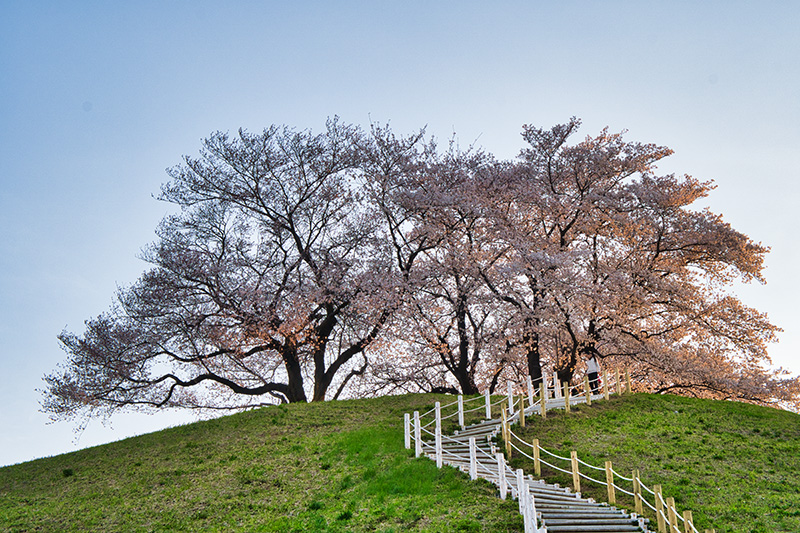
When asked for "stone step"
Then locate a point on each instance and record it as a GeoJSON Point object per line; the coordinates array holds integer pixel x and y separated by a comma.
{"type": "Point", "coordinates": [591, 528]}
{"type": "Point", "coordinates": [575, 521]}
{"type": "Point", "coordinates": [561, 510]}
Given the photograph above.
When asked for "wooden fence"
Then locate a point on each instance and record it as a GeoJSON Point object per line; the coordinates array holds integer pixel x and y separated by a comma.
{"type": "Point", "coordinates": [512, 409]}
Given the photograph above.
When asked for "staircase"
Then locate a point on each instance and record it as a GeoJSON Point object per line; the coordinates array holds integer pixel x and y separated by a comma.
{"type": "Point", "coordinates": [558, 508]}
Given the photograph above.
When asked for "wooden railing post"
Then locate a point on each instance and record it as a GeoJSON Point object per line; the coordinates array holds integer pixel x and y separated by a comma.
{"type": "Point", "coordinates": [618, 384]}
{"type": "Point", "coordinates": [544, 381]}
{"type": "Point", "coordinates": [461, 411]}
{"type": "Point", "coordinates": [587, 390]}
{"type": "Point", "coordinates": [566, 396]}
{"type": "Point", "coordinates": [506, 433]}
{"type": "Point", "coordinates": [612, 495]}
{"type": "Point", "coordinates": [637, 493]}
{"type": "Point", "coordinates": [662, 528]}
{"type": "Point", "coordinates": [556, 388]}
{"type": "Point", "coordinates": [672, 515]}
{"type": "Point", "coordinates": [488, 404]}
{"type": "Point", "coordinates": [543, 398]}
{"type": "Point", "coordinates": [522, 410]}
{"type": "Point", "coordinates": [628, 381]}
{"type": "Point", "coordinates": [688, 522]}
{"type": "Point", "coordinates": [576, 477]}
{"type": "Point", "coordinates": [537, 462]}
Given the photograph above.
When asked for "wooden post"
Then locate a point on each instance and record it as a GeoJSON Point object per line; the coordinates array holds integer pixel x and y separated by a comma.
{"type": "Point", "coordinates": [537, 462]}
{"type": "Point", "coordinates": [510, 400]}
{"type": "Point", "coordinates": [556, 388]}
{"type": "Point", "coordinates": [605, 384]}
{"type": "Point", "coordinates": [522, 410]}
{"type": "Point", "coordinates": [417, 435]}
{"type": "Point", "coordinates": [637, 493]}
{"type": "Point", "coordinates": [628, 381]}
{"type": "Point", "coordinates": [501, 475]}
{"type": "Point", "coordinates": [488, 404]}
{"type": "Point", "coordinates": [587, 390]}
{"type": "Point", "coordinates": [543, 398]}
{"type": "Point", "coordinates": [576, 477]}
{"type": "Point", "coordinates": [612, 495]}
{"type": "Point", "coordinates": [506, 434]}
{"type": "Point", "coordinates": [544, 380]}
{"type": "Point", "coordinates": [566, 396]}
{"type": "Point", "coordinates": [662, 527]}
{"type": "Point", "coordinates": [438, 435]}
{"type": "Point", "coordinates": [407, 430]}
{"type": "Point", "coordinates": [618, 381]}
{"type": "Point", "coordinates": [673, 517]}
{"type": "Point", "coordinates": [688, 523]}
{"type": "Point", "coordinates": [461, 411]}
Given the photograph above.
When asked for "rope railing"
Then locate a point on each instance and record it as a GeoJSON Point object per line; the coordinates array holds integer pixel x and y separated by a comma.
{"type": "Point", "coordinates": [668, 518]}
{"type": "Point", "coordinates": [513, 409]}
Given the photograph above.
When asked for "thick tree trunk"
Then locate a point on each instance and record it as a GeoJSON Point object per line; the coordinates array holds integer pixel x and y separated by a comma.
{"type": "Point", "coordinates": [296, 393]}
{"type": "Point", "coordinates": [534, 358]}
{"type": "Point", "coordinates": [466, 381]}
{"type": "Point", "coordinates": [566, 365]}
{"type": "Point", "coordinates": [465, 370]}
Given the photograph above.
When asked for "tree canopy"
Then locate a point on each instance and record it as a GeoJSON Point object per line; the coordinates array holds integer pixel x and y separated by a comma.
{"type": "Point", "coordinates": [306, 266]}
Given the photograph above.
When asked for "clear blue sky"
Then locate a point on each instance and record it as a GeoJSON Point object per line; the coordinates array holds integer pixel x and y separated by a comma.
{"type": "Point", "coordinates": [98, 98]}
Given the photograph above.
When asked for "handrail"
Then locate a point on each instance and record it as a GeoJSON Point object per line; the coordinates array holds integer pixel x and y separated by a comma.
{"type": "Point", "coordinates": [676, 517]}
{"type": "Point", "coordinates": [514, 408]}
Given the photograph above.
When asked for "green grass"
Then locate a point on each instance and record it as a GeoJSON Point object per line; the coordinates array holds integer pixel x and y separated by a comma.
{"type": "Point", "coordinates": [341, 466]}
{"type": "Point", "coordinates": [735, 466]}
{"type": "Point", "coordinates": [334, 466]}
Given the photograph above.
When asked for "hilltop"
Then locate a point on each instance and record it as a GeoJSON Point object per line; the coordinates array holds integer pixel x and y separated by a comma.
{"type": "Point", "coordinates": [341, 466]}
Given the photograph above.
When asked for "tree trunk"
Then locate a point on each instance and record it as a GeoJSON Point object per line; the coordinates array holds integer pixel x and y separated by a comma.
{"type": "Point", "coordinates": [534, 358]}
{"type": "Point", "coordinates": [294, 372]}
{"type": "Point", "coordinates": [566, 365]}
{"type": "Point", "coordinates": [466, 381]}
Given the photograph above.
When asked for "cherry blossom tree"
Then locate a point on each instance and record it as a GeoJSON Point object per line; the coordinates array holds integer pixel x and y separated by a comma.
{"type": "Point", "coordinates": [310, 266]}
{"type": "Point", "coordinates": [626, 268]}
{"type": "Point", "coordinates": [272, 275]}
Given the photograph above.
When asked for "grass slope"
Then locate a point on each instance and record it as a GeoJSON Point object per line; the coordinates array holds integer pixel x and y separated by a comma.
{"type": "Point", "coordinates": [341, 466]}
{"type": "Point", "coordinates": [736, 466]}
{"type": "Point", "coordinates": [334, 466]}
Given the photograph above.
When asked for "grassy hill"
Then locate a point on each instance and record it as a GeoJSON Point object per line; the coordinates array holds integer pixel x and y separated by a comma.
{"type": "Point", "coordinates": [736, 466]}
{"type": "Point", "coordinates": [334, 466]}
{"type": "Point", "coordinates": [341, 466]}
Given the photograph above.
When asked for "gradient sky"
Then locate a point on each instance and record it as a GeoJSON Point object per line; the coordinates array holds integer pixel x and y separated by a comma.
{"type": "Point", "coordinates": [97, 99]}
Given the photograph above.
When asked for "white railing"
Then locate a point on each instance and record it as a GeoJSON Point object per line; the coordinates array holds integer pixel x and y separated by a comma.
{"type": "Point", "coordinates": [513, 410]}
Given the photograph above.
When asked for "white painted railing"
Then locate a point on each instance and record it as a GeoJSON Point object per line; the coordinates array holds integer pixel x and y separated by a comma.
{"type": "Point", "coordinates": [513, 410]}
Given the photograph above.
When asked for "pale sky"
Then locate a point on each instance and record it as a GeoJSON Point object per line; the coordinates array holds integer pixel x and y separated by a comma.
{"type": "Point", "coordinates": [97, 99]}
